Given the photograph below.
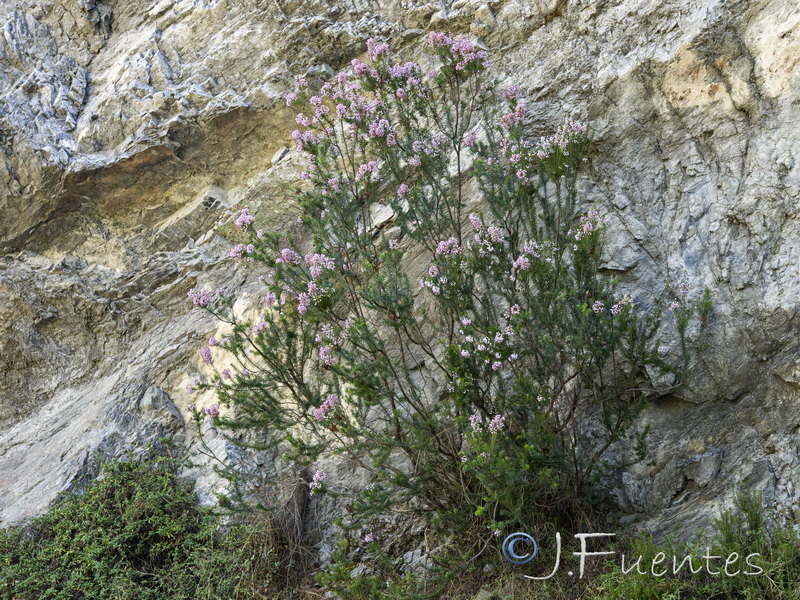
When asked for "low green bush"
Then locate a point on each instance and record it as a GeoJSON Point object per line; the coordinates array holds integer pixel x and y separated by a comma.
{"type": "Point", "coordinates": [138, 533]}
{"type": "Point", "coordinates": [764, 561]}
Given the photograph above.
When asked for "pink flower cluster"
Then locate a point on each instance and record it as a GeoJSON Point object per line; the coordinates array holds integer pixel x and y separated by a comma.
{"type": "Point", "coordinates": [491, 348]}
{"type": "Point", "coordinates": [203, 297]}
{"type": "Point", "coordinates": [377, 50]}
{"type": "Point", "coordinates": [199, 297]}
{"type": "Point", "coordinates": [448, 247]}
{"type": "Point", "coordinates": [515, 117]}
{"type": "Point", "coordinates": [475, 422]}
{"type": "Point", "coordinates": [244, 219]}
{"type": "Point", "coordinates": [326, 356]}
{"type": "Point", "coordinates": [483, 240]}
{"type": "Point", "coordinates": [317, 263]}
{"type": "Point", "coordinates": [590, 222]}
{"type": "Point", "coordinates": [497, 424]}
{"type": "Point", "coordinates": [475, 221]}
{"type": "Point", "coordinates": [462, 50]}
{"type": "Point", "coordinates": [316, 481]}
{"type": "Point", "coordinates": [193, 381]}
{"type": "Point", "coordinates": [321, 413]}
{"type": "Point", "coordinates": [569, 132]}
{"type": "Point", "coordinates": [205, 354]}
{"type": "Point", "coordinates": [512, 92]}
{"type": "Point", "coordinates": [370, 167]}
{"type": "Point", "coordinates": [288, 256]}
{"type": "Point", "coordinates": [212, 411]}
{"type": "Point", "coordinates": [627, 300]}
{"type": "Point", "coordinates": [433, 281]}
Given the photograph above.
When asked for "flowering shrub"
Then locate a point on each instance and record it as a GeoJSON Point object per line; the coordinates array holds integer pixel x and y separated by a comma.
{"type": "Point", "coordinates": [485, 395]}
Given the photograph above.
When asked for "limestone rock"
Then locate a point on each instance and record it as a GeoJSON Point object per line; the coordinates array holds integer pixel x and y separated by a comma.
{"type": "Point", "coordinates": [128, 129]}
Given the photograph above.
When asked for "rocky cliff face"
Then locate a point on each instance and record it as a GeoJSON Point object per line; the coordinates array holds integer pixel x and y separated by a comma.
{"type": "Point", "coordinates": [128, 129]}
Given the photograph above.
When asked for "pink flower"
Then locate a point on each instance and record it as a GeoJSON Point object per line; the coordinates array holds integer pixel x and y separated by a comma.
{"type": "Point", "coordinates": [317, 263]}
{"type": "Point", "coordinates": [522, 263]}
{"type": "Point", "coordinates": [193, 381]}
{"type": "Point", "coordinates": [316, 481]}
{"type": "Point", "coordinates": [244, 219]}
{"type": "Point", "coordinates": [475, 221]}
{"type": "Point", "coordinates": [302, 303]}
{"type": "Point", "coordinates": [326, 356]}
{"type": "Point", "coordinates": [512, 92]}
{"type": "Point", "coordinates": [402, 190]}
{"type": "Point", "coordinates": [376, 50]}
{"type": "Point", "coordinates": [393, 244]}
{"type": "Point", "coordinates": [199, 297]}
{"type": "Point", "coordinates": [598, 307]}
{"type": "Point", "coordinates": [470, 139]}
{"type": "Point", "coordinates": [368, 538]}
{"type": "Point", "coordinates": [328, 405]}
{"type": "Point", "coordinates": [289, 256]}
{"type": "Point", "coordinates": [515, 309]}
{"type": "Point", "coordinates": [475, 421]}
{"type": "Point", "coordinates": [497, 423]}
{"type": "Point", "coordinates": [205, 353]}
{"type": "Point", "coordinates": [226, 374]}
{"type": "Point", "coordinates": [213, 411]}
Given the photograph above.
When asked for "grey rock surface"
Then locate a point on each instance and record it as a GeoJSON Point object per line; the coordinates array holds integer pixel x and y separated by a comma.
{"type": "Point", "coordinates": [128, 129]}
